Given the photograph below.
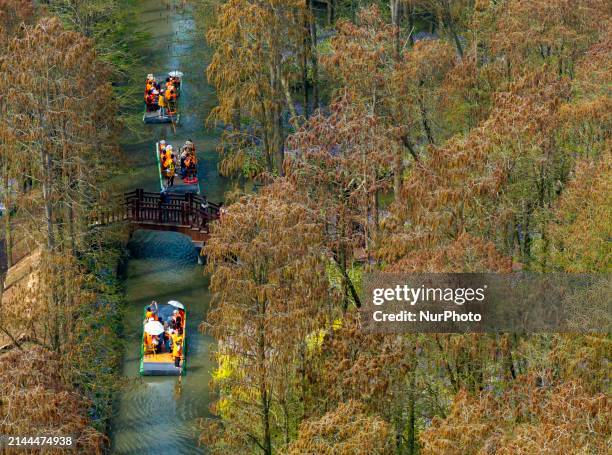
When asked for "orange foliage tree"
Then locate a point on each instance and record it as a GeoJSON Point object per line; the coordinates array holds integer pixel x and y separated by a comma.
{"type": "Point", "coordinates": [270, 292]}
{"type": "Point", "coordinates": [340, 164]}
{"type": "Point", "coordinates": [256, 44]}
{"type": "Point", "coordinates": [524, 419]}
{"type": "Point", "coordinates": [346, 430]}
{"type": "Point", "coordinates": [35, 398]}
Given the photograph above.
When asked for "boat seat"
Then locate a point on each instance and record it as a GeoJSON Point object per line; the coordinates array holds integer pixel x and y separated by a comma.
{"type": "Point", "coordinates": [149, 349]}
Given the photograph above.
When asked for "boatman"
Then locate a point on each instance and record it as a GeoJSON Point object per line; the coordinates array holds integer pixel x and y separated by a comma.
{"type": "Point", "coordinates": [171, 100]}
{"type": "Point", "coordinates": [177, 352]}
{"type": "Point", "coordinates": [162, 101]}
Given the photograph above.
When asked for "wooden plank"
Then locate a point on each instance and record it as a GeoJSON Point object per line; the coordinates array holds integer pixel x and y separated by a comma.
{"type": "Point", "coordinates": [164, 357]}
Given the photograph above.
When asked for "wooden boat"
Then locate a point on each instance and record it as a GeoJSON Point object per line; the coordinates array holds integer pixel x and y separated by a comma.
{"type": "Point", "coordinates": [162, 115]}
{"type": "Point", "coordinates": [160, 362]}
{"type": "Point", "coordinates": [181, 185]}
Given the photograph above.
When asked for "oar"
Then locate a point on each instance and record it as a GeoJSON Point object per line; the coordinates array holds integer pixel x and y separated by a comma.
{"type": "Point", "coordinates": [172, 118]}
{"type": "Point", "coordinates": [173, 126]}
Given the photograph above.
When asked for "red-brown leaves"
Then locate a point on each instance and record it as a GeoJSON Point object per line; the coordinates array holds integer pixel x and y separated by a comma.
{"type": "Point", "coordinates": [36, 398]}
{"type": "Point", "coordinates": [347, 430]}
{"type": "Point", "coordinates": [527, 418]}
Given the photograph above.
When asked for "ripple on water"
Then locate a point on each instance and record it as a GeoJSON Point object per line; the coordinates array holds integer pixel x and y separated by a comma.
{"type": "Point", "coordinates": [170, 246]}
{"type": "Point", "coordinates": [150, 424]}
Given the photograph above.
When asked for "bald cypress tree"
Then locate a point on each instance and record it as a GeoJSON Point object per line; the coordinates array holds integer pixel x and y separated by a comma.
{"type": "Point", "coordinates": [270, 292]}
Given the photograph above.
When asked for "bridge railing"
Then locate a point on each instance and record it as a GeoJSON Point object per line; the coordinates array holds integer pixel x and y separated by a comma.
{"type": "Point", "coordinates": [186, 210]}
{"type": "Point", "coordinates": [176, 209]}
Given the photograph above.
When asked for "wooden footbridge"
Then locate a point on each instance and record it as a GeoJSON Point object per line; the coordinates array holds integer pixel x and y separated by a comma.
{"type": "Point", "coordinates": [188, 213]}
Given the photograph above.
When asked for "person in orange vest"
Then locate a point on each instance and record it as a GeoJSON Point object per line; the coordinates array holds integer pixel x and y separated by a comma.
{"type": "Point", "coordinates": [151, 100]}
{"type": "Point", "coordinates": [171, 99]}
{"type": "Point", "coordinates": [167, 154]}
{"type": "Point", "coordinates": [175, 81]}
{"type": "Point", "coordinates": [151, 312]}
{"type": "Point", "coordinates": [177, 347]}
{"type": "Point", "coordinates": [177, 319]}
{"type": "Point", "coordinates": [148, 340]}
{"type": "Point", "coordinates": [150, 83]}
{"type": "Point", "coordinates": [164, 156]}
{"type": "Point", "coordinates": [162, 101]}
{"type": "Point", "coordinates": [169, 166]}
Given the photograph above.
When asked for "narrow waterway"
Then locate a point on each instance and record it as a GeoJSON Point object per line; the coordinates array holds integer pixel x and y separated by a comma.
{"type": "Point", "coordinates": [158, 415]}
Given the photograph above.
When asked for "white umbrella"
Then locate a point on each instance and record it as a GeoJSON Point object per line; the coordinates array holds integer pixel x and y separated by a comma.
{"type": "Point", "coordinates": [154, 327]}
{"type": "Point", "coordinates": [175, 74]}
{"type": "Point", "coordinates": [176, 304]}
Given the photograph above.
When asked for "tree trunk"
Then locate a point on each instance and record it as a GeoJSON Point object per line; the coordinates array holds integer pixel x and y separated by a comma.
{"type": "Point", "coordinates": [263, 387]}
{"type": "Point", "coordinates": [425, 121]}
{"type": "Point", "coordinates": [8, 238]}
{"type": "Point", "coordinates": [289, 99]}
{"type": "Point", "coordinates": [411, 437]}
{"type": "Point", "coordinates": [266, 139]}
{"type": "Point", "coordinates": [314, 60]}
{"type": "Point", "coordinates": [398, 170]}
{"type": "Point", "coordinates": [278, 140]}
{"type": "Point", "coordinates": [331, 11]}
{"type": "Point", "coordinates": [411, 25]}
{"type": "Point", "coordinates": [306, 49]}
{"type": "Point", "coordinates": [396, 18]}
{"type": "Point", "coordinates": [46, 190]}
{"type": "Point", "coordinates": [448, 19]}
{"type": "Point", "coordinates": [275, 119]}
{"type": "Point", "coordinates": [236, 115]}
{"type": "Point", "coordinates": [349, 288]}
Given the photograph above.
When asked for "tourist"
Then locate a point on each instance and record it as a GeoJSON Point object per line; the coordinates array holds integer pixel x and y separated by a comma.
{"type": "Point", "coordinates": [151, 311]}
{"type": "Point", "coordinates": [150, 83]}
{"type": "Point", "coordinates": [169, 166]}
{"type": "Point", "coordinates": [183, 157]}
{"type": "Point", "coordinates": [177, 346]}
{"type": "Point", "coordinates": [176, 354]}
{"type": "Point", "coordinates": [162, 101]}
{"type": "Point", "coordinates": [164, 197]}
{"type": "Point", "coordinates": [151, 100]}
{"type": "Point", "coordinates": [171, 100]}
{"type": "Point", "coordinates": [177, 320]}
{"type": "Point", "coordinates": [156, 344]}
{"type": "Point", "coordinates": [169, 332]}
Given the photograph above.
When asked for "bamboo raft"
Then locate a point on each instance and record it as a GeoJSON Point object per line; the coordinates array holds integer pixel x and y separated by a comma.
{"type": "Point", "coordinates": [180, 185]}
{"type": "Point", "coordinates": [162, 363]}
{"type": "Point", "coordinates": [161, 115]}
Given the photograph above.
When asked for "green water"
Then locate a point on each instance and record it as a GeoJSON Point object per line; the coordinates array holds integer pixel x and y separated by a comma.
{"type": "Point", "coordinates": [159, 415]}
